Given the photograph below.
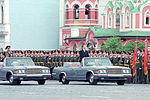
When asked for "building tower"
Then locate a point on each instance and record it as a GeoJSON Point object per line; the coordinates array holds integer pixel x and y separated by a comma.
{"type": "Point", "coordinates": [4, 24]}
{"type": "Point", "coordinates": [76, 16]}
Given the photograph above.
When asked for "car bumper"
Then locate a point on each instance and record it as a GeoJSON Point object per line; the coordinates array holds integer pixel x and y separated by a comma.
{"type": "Point", "coordinates": [28, 77]}
{"type": "Point", "coordinates": [111, 77]}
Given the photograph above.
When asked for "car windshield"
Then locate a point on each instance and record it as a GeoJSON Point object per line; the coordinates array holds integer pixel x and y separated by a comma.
{"type": "Point", "coordinates": [97, 62]}
{"type": "Point", "coordinates": [19, 62]}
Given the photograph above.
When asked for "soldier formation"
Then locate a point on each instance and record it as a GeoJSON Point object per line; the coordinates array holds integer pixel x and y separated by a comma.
{"type": "Point", "coordinates": [56, 58]}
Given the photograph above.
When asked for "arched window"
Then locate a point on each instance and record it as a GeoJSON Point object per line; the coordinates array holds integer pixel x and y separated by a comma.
{"type": "Point", "coordinates": [76, 11]}
{"type": "Point", "coordinates": [127, 19]}
{"type": "Point", "coordinates": [118, 17]}
{"type": "Point", "coordinates": [96, 12]}
{"type": "Point", "coordinates": [67, 12]}
{"type": "Point", "coordinates": [87, 12]}
{"type": "Point", "coordinates": [2, 14]}
{"type": "Point", "coordinates": [109, 20]}
{"type": "Point", "coordinates": [147, 18]}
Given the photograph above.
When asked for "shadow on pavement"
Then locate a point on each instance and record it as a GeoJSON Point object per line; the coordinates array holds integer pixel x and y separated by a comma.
{"type": "Point", "coordinates": [7, 84]}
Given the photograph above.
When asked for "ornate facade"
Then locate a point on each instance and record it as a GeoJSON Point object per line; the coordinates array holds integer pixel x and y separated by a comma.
{"type": "Point", "coordinates": [127, 19]}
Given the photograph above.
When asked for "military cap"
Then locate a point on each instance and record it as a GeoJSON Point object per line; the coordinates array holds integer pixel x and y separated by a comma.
{"type": "Point", "coordinates": [7, 47]}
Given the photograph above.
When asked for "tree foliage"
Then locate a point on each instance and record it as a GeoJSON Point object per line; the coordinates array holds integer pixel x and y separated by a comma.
{"type": "Point", "coordinates": [113, 44]}
{"type": "Point", "coordinates": [130, 46]}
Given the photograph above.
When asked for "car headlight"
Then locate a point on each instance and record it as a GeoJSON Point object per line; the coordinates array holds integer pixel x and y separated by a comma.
{"type": "Point", "coordinates": [126, 71]}
{"type": "Point", "coordinates": [102, 71]}
{"type": "Point", "coordinates": [45, 71]}
{"type": "Point", "coordinates": [19, 71]}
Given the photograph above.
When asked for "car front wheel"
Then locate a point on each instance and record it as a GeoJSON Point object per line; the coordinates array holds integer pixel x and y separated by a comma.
{"type": "Point", "coordinates": [120, 82]}
{"type": "Point", "coordinates": [92, 81]}
{"type": "Point", "coordinates": [64, 79]}
{"type": "Point", "coordinates": [41, 82]}
{"type": "Point", "coordinates": [12, 81]}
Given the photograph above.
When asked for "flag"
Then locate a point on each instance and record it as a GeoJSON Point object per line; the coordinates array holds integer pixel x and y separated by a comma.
{"type": "Point", "coordinates": [146, 58]}
{"type": "Point", "coordinates": [134, 59]}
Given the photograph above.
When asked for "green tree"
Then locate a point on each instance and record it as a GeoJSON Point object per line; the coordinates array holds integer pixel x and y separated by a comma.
{"type": "Point", "coordinates": [113, 44]}
{"type": "Point", "coordinates": [130, 46]}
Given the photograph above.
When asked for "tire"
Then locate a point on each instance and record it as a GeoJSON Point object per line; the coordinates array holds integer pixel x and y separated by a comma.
{"type": "Point", "coordinates": [12, 81]}
{"type": "Point", "coordinates": [41, 82]}
{"type": "Point", "coordinates": [64, 79]}
{"type": "Point", "coordinates": [91, 79]}
{"type": "Point", "coordinates": [120, 82]}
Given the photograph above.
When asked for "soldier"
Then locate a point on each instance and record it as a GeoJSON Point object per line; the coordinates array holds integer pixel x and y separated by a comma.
{"type": "Point", "coordinates": [122, 58]}
{"type": "Point", "coordinates": [72, 58]}
{"type": "Point", "coordinates": [45, 58]}
{"type": "Point", "coordinates": [49, 62]}
{"type": "Point", "coordinates": [127, 64]}
{"type": "Point", "coordinates": [115, 59]}
{"type": "Point", "coordinates": [111, 57]}
{"type": "Point", "coordinates": [1, 57]}
{"type": "Point", "coordinates": [138, 76]}
{"type": "Point", "coordinates": [53, 60]}
{"type": "Point", "coordinates": [61, 59]}
{"type": "Point", "coordinates": [8, 53]}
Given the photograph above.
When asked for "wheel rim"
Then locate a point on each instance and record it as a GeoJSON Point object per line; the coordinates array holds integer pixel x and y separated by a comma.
{"type": "Point", "coordinates": [91, 78]}
{"type": "Point", "coordinates": [63, 78]}
{"type": "Point", "coordinates": [11, 79]}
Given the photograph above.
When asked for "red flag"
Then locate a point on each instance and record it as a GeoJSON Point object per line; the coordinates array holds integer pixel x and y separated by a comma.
{"type": "Point", "coordinates": [146, 58]}
{"type": "Point", "coordinates": [134, 59]}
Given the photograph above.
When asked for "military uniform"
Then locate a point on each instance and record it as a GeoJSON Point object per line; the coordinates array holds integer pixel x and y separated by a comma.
{"type": "Point", "coordinates": [138, 78]}
{"type": "Point", "coordinates": [127, 62]}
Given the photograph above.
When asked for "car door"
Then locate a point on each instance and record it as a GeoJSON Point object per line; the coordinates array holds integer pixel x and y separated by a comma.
{"type": "Point", "coordinates": [70, 73]}
{"type": "Point", "coordinates": [2, 73]}
{"type": "Point", "coordinates": [80, 73]}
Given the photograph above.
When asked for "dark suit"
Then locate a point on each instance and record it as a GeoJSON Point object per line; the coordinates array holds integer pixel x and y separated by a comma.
{"type": "Point", "coordinates": [83, 54]}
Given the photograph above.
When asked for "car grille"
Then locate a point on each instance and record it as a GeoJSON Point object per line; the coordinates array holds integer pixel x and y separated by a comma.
{"type": "Point", "coordinates": [115, 71]}
{"type": "Point", "coordinates": [33, 71]}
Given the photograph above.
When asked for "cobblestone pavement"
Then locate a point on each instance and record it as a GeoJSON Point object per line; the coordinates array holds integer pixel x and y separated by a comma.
{"type": "Point", "coordinates": [53, 90]}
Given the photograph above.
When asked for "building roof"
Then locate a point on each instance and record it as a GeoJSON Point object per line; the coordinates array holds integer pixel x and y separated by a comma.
{"type": "Point", "coordinates": [130, 4]}
{"type": "Point", "coordinates": [111, 5]}
{"type": "Point", "coordinates": [78, 37]}
{"type": "Point", "coordinates": [135, 34]}
{"type": "Point", "coordinates": [104, 33]}
{"type": "Point", "coordinates": [142, 4]}
{"type": "Point", "coordinates": [120, 5]}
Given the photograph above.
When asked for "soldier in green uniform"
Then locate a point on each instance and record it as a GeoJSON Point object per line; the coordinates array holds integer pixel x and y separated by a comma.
{"type": "Point", "coordinates": [138, 76]}
{"type": "Point", "coordinates": [61, 59]}
{"type": "Point", "coordinates": [122, 59]}
{"type": "Point", "coordinates": [8, 53]}
{"type": "Point", "coordinates": [126, 60]}
{"type": "Point", "coordinates": [49, 62]}
{"type": "Point", "coordinates": [111, 57]}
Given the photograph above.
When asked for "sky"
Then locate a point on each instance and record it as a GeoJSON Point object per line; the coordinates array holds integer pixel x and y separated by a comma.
{"type": "Point", "coordinates": [34, 24]}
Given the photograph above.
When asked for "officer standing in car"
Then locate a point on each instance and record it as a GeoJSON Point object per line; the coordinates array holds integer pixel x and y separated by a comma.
{"type": "Point", "coordinates": [8, 53]}
{"type": "Point", "coordinates": [83, 53]}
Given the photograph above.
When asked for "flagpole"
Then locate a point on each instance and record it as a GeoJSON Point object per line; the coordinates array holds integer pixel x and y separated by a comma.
{"type": "Point", "coordinates": [147, 67]}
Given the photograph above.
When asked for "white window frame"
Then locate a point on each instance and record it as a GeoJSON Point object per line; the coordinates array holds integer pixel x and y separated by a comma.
{"type": "Point", "coordinates": [127, 20]}
{"type": "Point", "coordinates": [109, 22]}
{"type": "Point", "coordinates": [145, 15]}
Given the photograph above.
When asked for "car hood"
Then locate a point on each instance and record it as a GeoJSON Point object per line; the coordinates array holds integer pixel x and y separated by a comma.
{"type": "Point", "coordinates": [106, 67]}
{"type": "Point", "coordinates": [30, 67]}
